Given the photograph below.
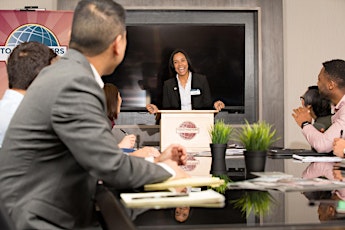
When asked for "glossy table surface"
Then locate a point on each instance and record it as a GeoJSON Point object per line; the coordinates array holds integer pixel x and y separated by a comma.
{"type": "Point", "coordinates": [290, 210]}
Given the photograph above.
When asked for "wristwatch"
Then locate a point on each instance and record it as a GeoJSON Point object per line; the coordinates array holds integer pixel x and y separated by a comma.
{"type": "Point", "coordinates": [304, 123]}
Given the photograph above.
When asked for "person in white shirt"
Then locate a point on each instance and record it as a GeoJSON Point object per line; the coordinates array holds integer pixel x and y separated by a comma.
{"type": "Point", "coordinates": [23, 65]}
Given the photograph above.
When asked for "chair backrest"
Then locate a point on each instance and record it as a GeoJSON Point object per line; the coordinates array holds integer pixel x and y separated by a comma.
{"type": "Point", "coordinates": [113, 214]}
{"type": "Point", "coordinates": [5, 220]}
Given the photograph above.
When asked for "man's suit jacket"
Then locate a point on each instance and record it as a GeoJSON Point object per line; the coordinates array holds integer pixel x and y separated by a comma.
{"type": "Point", "coordinates": [59, 143]}
{"type": "Point", "coordinates": [171, 93]}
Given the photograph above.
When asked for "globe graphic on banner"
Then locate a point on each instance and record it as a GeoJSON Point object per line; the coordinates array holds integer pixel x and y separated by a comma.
{"type": "Point", "coordinates": [32, 32]}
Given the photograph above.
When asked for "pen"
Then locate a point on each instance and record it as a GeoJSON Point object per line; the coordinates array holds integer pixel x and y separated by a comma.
{"type": "Point", "coordinates": [341, 133]}
{"type": "Point", "coordinates": [161, 196]}
{"type": "Point", "coordinates": [124, 132]}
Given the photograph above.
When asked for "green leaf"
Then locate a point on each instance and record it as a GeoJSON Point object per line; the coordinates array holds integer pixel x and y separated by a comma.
{"type": "Point", "coordinates": [222, 188]}
{"type": "Point", "coordinates": [258, 136]}
{"type": "Point", "coordinates": [220, 132]}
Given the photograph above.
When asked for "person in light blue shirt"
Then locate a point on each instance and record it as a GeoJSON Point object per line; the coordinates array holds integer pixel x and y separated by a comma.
{"type": "Point", "coordinates": [23, 65]}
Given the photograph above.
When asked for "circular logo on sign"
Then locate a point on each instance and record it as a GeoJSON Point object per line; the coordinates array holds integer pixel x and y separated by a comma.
{"type": "Point", "coordinates": [187, 130]}
{"type": "Point", "coordinates": [32, 32]}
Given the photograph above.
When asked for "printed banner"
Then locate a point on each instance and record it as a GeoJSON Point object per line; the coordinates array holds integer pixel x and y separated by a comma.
{"type": "Point", "coordinates": [51, 28]}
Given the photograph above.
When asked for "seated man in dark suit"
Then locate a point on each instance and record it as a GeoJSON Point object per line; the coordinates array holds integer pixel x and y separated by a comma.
{"type": "Point", "coordinates": [59, 143]}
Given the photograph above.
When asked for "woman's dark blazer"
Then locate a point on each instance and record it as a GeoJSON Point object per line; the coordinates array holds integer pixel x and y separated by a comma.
{"type": "Point", "coordinates": [171, 93]}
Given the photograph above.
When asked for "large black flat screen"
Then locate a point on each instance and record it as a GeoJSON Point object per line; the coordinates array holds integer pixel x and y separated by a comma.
{"type": "Point", "coordinates": [215, 51]}
{"type": "Point", "coordinates": [222, 44]}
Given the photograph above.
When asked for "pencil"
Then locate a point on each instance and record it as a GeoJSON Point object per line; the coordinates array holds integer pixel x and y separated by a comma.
{"type": "Point", "coordinates": [124, 132]}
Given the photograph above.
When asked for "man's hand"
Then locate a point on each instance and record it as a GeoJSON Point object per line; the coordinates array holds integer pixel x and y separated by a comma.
{"type": "Point", "coordinates": [301, 115]}
{"type": "Point", "coordinates": [146, 152]}
{"type": "Point", "coordinates": [180, 173]}
{"type": "Point", "coordinates": [174, 152]}
{"type": "Point", "coordinates": [152, 108]}
{"type": "Point", "coordinates": [338, 147]}
{"type": "Point", "coordinates": [128, 141]}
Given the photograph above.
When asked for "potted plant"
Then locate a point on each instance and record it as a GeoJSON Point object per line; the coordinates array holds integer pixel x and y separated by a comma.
{"type": "Point", "coordinates": [220, 135]}
{"type": "Point", "coordinates": [256, 139]}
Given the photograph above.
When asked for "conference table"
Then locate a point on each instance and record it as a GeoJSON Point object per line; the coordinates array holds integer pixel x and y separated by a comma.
{"type": "Point", "coordinates": [287, 210]}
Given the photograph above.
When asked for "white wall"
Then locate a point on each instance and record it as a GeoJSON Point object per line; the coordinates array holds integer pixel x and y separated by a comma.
{"type": "Point", "coordinates": [17, 4]}
{"type": "Point", "coordinates": [314, 32]}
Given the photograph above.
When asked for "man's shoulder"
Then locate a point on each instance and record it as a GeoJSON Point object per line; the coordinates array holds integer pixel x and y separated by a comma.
{"type": "Point", "coordinates": [71, 66]}
{"type": "Point", "coordinates": [341, 104]}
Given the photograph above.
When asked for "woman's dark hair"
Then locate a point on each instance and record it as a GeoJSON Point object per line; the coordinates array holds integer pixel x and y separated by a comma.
{"type": "Point", "coordinates": [111, 95]}
{"type": "Point", "coordinates": [320, 105]}
{"type": "Point", "coordinates": [172, 71]}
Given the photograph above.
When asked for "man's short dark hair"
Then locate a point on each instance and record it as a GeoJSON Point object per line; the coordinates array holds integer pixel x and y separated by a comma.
{"type": "Point", "coordinates": [25, 62]}
{"type": "Point", "coordinates": [96, 23]}
{"type": "Point", "coordinates": [336, 71]}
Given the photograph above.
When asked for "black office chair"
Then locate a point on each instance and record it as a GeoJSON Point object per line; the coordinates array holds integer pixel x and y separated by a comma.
{"type": "Point", "coordinates": [5, 220]}
{"type": "Point", "coordinates": [113, 216]}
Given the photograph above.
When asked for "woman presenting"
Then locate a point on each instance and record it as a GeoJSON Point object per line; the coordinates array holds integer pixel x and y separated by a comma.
{"type": "Point", "coordinates": [187, 90]}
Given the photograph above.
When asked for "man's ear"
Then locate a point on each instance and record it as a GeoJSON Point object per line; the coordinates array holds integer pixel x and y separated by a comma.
{"type": "Point", "coordinates": [332, 84]}
{"type": "Point", "coordinates": [117, 44]}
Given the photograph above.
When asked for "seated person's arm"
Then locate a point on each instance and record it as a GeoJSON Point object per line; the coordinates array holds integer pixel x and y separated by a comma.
{"type": "Point", "coordinates": [146, 152]}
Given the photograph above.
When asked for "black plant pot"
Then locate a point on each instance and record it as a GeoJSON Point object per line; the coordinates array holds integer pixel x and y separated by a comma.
{"type": "Point", "coordinates": [255, 161]}
{"type": "Point", "coordinates": [218, 166]}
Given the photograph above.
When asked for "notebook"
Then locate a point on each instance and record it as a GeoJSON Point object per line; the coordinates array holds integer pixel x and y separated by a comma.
{"type": "Point", "coordinates": [208, 198]}
{"type": "Point", "coordinates": [317, 158]}
{"type": "Point", "coordinates": [185, 182]}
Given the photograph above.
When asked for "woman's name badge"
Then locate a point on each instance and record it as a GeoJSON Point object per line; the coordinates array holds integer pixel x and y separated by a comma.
{"type": "Point", "coordinates": [195, 92]}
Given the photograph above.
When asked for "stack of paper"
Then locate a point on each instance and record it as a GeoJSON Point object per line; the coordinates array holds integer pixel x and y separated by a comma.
{"type": "Point", "coordinates": [207, 198]}
{"type": "Point", "coordinates": [316, 159]}
{"type": "Point", "coordinates": [185, 182]}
